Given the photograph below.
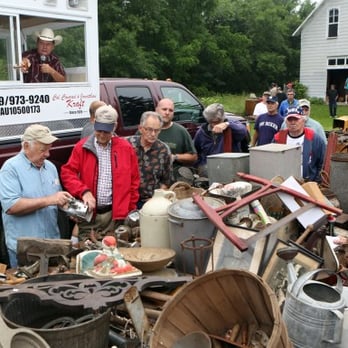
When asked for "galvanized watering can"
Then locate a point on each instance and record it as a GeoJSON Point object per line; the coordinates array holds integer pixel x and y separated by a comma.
{"type": "Point", "coordinates": [313, 310]}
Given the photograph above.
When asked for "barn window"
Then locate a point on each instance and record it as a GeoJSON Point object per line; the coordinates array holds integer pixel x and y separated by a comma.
{"type": "Point", "coordinates": [333, 22]}
{"type": "Point", "coordinates": [332, 61]}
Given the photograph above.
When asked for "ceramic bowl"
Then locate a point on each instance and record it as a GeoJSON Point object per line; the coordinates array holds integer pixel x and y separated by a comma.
{"type": "Point", "coordinates": [148, 259]}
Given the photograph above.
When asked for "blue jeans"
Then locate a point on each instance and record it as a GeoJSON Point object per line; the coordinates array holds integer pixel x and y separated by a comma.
{"type": "Point", "coordinates": [12, 255]}
{"type": "Point", "coordinates": [333, 109]}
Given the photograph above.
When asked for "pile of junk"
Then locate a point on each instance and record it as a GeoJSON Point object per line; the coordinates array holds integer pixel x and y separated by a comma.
{"type": "Point", "coordinates": [250, 263]}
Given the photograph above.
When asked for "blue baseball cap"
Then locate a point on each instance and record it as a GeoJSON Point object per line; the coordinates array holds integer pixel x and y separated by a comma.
{"type": "Point", "coordinates": [295, 112]}
{"type": "Point", "coordinates": [273, 99]}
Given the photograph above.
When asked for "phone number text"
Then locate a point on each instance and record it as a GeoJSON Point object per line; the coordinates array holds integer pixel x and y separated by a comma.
{"type": "Point", "coordinates": [21, 99]}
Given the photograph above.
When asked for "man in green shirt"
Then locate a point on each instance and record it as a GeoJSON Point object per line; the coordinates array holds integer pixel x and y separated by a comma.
{"type": "Point", "coordinates": [176, 137]}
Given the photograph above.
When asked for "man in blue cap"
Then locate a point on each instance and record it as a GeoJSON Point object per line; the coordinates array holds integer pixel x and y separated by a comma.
{"type": "Point", "coordinates": [266, 125]}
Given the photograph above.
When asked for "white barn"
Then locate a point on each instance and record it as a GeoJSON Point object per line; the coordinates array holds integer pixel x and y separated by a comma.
{"type": "Point", "coordinates": [324, 48]}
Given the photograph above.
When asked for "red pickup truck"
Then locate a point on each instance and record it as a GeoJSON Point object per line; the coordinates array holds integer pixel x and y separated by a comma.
{"type": "Point", "coordinates": [130, 97]}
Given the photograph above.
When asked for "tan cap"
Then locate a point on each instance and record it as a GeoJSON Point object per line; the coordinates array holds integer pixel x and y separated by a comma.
{"type": "Point", "coordinates": [38, 133]}
{"type": "Point", "coordinates": [105, 118]}
{"type": "Point", "coordinates": [304, 102]}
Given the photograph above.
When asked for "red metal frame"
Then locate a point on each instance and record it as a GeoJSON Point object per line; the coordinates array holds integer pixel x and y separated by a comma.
{"type": "Point", "coordinates": [217, 215]}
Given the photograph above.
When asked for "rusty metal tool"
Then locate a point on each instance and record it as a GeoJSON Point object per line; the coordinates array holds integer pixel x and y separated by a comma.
{"type": "Point", "coordinates": [44, 258]}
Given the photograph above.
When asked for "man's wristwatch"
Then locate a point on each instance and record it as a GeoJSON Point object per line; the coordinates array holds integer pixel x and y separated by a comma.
{"type": "Point", "coordinates": [175, 158]}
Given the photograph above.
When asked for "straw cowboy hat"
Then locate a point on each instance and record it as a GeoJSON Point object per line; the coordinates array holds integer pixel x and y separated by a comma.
{"type": "Point", "coordinates": [47, 34]}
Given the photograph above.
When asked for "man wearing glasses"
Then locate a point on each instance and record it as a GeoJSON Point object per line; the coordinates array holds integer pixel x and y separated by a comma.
{"type": "Point", "coordinates": [154, 157]}
{"type": "Point", "coordinates": [289, 102]}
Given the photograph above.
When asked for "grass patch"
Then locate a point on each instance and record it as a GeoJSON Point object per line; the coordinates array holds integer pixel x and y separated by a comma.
{"type": "Point", "coordinates": [237, 105]}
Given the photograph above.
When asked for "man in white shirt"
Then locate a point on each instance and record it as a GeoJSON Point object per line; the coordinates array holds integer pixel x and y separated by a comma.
{"type": "Point", "coordinates": [261, 107]}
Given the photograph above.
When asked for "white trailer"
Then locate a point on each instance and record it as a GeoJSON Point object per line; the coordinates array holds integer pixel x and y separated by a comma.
{"type": "Point", "coordinates": [62, 106]}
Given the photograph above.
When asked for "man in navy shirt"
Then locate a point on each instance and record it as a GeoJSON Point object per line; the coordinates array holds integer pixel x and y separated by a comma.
{"type": "Point", "coordinates": [266, 125]}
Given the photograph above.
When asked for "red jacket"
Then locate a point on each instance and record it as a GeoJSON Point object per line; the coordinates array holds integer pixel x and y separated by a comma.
{"type": "Point", "coordinates": [80, 174]}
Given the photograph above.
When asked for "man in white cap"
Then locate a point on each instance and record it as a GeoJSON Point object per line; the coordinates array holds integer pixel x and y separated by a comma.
{"type": "Point", "coordinates": [261, 107]}
{"type": "Point", "coordinates": [30, 191]}
{"type": "Point", "coordinates": [313, 146]}
{"type": "Point", "coordinates": [41, 64]}
{"type": "Point", "coordinates": [103, 172]}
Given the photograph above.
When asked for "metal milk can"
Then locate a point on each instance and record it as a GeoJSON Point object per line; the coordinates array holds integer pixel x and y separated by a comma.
{"type": "Point", "coordinates": [153, 220]}
{"type": "Point", "coordinates": [313, 310]}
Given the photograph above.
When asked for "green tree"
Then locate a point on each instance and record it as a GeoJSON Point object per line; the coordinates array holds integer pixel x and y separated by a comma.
{"type": "Point", "coordinates": [217, 45]}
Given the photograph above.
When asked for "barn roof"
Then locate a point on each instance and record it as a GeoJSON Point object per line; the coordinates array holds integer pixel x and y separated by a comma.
{"type": "Point", "coordinates": [299, 29]}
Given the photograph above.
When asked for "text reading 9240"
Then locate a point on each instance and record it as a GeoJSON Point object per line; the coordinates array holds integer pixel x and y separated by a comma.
{"type": "Point", "coordinates": [21, 99]}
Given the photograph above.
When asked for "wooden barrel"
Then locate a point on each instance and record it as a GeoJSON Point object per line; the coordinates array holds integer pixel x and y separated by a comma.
{"type": "Point", "coordinates": [215, 302]}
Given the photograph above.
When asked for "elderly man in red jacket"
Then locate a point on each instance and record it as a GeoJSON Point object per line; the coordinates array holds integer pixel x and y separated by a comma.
{"type": "Point", "coordinates": [103, 172]}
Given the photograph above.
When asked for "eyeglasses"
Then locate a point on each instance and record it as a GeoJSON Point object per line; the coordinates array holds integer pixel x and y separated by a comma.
{"type": "Point", "coordinates": [152, 130]}
{"type": "Point", "coordinates": [305, 108]}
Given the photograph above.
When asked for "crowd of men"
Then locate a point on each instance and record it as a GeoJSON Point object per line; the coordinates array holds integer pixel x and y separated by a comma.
{"type": "Point", "coordinates": [115, 175]}
{"type": "Point", "coordinates": [289, 122]}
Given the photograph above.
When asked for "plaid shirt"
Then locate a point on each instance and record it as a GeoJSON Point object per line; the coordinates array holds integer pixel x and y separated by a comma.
{"type": "Point", "coordinates": [154, 165]}
{"type": "Point", "coordinates": [34, 73]}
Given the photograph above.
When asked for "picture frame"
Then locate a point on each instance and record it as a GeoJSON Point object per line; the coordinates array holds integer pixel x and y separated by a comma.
{"type": "Point", "coordinates": [275, 273]}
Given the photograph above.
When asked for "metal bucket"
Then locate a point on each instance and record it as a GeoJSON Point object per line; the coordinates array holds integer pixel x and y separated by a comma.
{"type": "Point", "coordinates": [59, 326]}
{"type": "Point", "coordinates": [313, 312]}
{"type": "Point", "coordinates": [20, 338]}
{"type": "Point", "coordinates": [186, 221]}
{"type": "Point", "coordinates": [338, 178]}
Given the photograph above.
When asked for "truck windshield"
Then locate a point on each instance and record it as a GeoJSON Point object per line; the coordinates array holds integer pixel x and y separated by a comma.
{"type": "Point", "coordinates": [187, 107]}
